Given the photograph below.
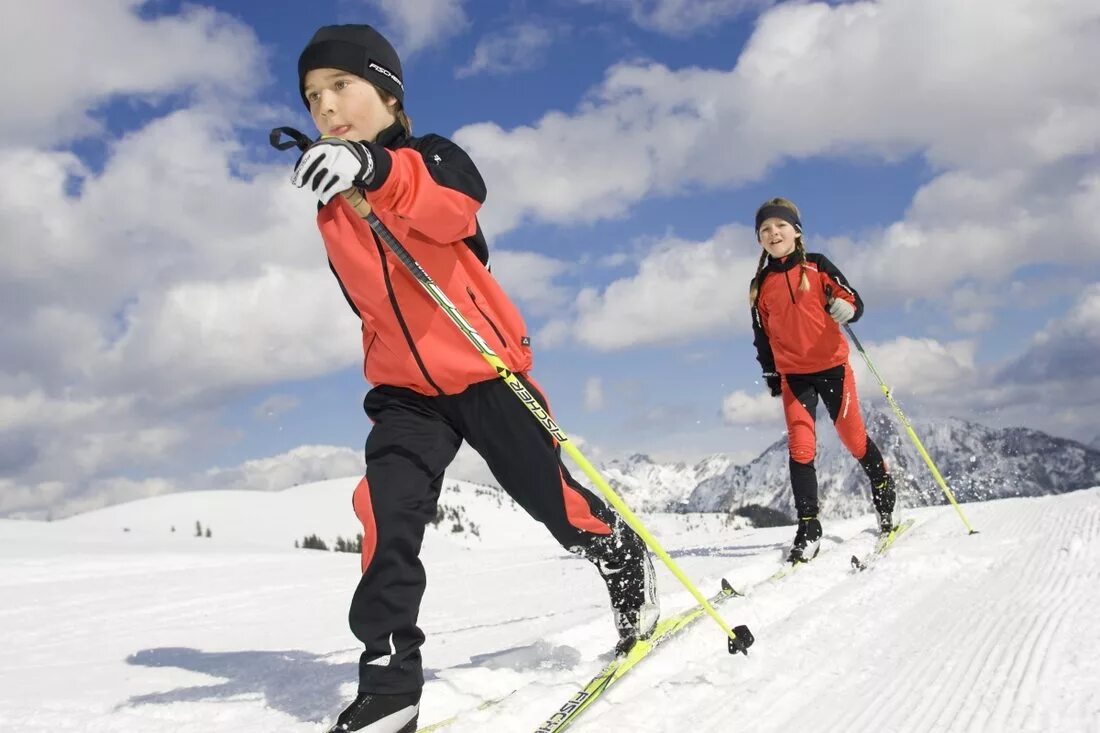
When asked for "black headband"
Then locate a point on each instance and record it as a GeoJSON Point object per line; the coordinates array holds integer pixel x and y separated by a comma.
{"type": "Point", "coordinates": [775, 211]}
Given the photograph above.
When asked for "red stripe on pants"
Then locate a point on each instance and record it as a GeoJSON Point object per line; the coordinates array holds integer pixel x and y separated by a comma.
{"type": "Point", "coordinates": [849, 421]}
{"type": "Point", "coordinates": [577, 510]}
{"type": "Point", "coordinates": [801, 430]}
{"type": "Point", "coordinates": [360, 501]}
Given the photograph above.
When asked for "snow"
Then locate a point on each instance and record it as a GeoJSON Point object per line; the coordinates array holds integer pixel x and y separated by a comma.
{"type": "Point", "coordinates": [105, 630]}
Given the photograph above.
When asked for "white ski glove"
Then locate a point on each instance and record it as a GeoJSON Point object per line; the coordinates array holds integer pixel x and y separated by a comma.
{"type": "Point", "coordinates": [841, 310]}
{"type": "Point", "coordinates": [332, 165]}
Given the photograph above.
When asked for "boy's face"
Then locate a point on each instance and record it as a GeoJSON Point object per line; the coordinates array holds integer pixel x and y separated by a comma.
{"type": "Point", "coordinates": [777, 236]}
{"type": "Point", "coordinates": [346, 106]}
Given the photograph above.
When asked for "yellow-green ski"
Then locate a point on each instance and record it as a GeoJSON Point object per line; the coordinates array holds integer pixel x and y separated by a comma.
{"type": "Point", "coordinates": [616, 668]}
{"type": "Point", "coordinates": [884, 543]}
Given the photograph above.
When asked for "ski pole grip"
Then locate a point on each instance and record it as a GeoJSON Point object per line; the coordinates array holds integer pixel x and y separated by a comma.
{"type": "Point", "coordinates": [357, 200]}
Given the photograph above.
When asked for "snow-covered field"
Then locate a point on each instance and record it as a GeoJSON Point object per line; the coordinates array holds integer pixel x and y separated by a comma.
{"type": "Point", "coordinates": [149, 631]}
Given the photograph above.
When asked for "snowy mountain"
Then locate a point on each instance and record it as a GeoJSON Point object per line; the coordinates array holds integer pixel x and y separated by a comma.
{"type": "Point", "coordinates": [661, 486]}
{"type": "Point", "coordinates": [978, 462]}
{"type": "Point", "coordinates": [149, 630]}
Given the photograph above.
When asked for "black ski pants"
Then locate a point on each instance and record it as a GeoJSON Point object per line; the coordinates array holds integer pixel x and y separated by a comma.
{"type": "Point", "coordinates": [413, 440]}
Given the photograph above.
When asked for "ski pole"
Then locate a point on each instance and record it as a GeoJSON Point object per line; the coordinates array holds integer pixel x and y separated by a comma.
{"type": "Point", "coordinates": [355, 198]}
{"type": "Point", "coordinates": [909, 428]}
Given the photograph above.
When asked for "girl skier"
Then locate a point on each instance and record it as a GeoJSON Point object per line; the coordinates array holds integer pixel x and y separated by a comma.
{"type": "Point", "coordinates": [799, 301]}
{"type": "Point", "coordinates": [431, 389]}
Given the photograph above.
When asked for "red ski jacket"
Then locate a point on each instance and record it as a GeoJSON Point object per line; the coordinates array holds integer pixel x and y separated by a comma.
{"type": "Point", "coordinates": [427, 191]}
{"type": "Point", "coordinates": [793, 332]}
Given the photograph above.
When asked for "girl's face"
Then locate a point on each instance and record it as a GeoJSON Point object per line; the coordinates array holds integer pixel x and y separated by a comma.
{"type": "Point", "coordinates": [777, 237]}
{"type": "Point", "coordinates": [347, 106]}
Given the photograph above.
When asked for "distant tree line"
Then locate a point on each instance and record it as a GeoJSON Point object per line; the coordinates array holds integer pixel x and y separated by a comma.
{"type": "Point", "coordinates": [763, 516]}
{"type": "Point", "coordinates": [313, 542]}
{"type": "Point", "coordinates": [454, 516]}
{"type": "Point", "coordinates": [446, 517]}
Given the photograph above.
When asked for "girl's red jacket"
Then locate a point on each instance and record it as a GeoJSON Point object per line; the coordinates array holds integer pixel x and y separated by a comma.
{"type": "Point", "coordinates": [793, 332]}
{"type": "Point", "coordinates": [427, 191]}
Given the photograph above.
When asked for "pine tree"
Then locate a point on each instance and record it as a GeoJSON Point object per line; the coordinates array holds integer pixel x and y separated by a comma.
{"type": "Point", "coordinates": [198, 528]}
{"type": "Point", "coordinates": [313, 542]}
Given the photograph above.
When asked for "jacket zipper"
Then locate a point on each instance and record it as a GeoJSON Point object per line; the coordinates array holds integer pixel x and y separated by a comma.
{"type": "Point", "coordinates": [366, 354]}
{"type": "Point", "coordinates": [487, 318]}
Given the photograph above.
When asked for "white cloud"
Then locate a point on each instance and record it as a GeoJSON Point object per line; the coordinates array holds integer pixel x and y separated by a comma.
{"type": "Point", "coordinates": [554, 333]}
{"type": "Point", "coordinates": [529, 278]}
{"type": "Point", "coordinates": [593, 394]}
{"type": "Point", "coordinates": [417, 24]}
{"type": "Point", "coordinates": [43, 500]}
{"type": "Point", "coordinates": [71, 436]}
{"type": "Point", "coordinates": [964, 226]}
{"type": "Point", "coordinates": [519, 48]}
{"type": "Point", "coordinates": [55, 499]}
{"type": "Point", "coordinates": [468, 465]}
{"type": "Point", "coordinates": [62, 60]}
{"type": "Point", "coordinates": [682, 17]}
{"type": "Point", "coordinates": [202, 336]}
{"type": "Point", "coordinates": [276, 406]}
{"type": "Point", "coordinates": [918, 367]}
{"type": "Point", "coordinates": [889, 79]}
{"type": "Point", "coordinates": [741, 408]}
{"type": "Point", "coordinates": [682, 290]}
{"type": "Point", "coordinates": [1066, 350]}
{"type": "Point", "coordinates": [140, 296]}
{"type": "Point", "coordinates": [302, 465]}
{"type": "Point", "coordinates": [212, 282]}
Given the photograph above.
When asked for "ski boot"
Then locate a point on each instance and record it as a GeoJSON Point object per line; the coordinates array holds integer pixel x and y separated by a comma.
{"type": "Point", "coordinates": [627, 569]}
{"type": "Point", "coordinates": [807, 541]}
{"type": "Point", "coordinates": [883, 495]}
{"type": "Point", "coordinates": [375, 713]}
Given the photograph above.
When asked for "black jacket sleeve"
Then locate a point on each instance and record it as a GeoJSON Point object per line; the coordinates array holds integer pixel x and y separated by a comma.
{"type": "Point", "coordinates": [760, 339]}
{"type": "Point", "coordinates": [833, 278]}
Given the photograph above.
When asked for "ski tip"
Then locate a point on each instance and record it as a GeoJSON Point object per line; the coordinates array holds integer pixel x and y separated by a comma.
{"type": "Point", "coordinates": [741, 640]}
{"type": "Point", "coordinates": [729, 589]}
{"type": "Point", "coordinates": [974, 531]}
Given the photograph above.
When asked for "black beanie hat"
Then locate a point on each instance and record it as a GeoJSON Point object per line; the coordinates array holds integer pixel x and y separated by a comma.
{"type": "Point", "coordinates": [358, 49]}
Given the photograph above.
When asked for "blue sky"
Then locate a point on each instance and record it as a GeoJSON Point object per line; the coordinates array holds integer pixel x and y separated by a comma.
{"type": "Point", "coordinates": [171, 323]}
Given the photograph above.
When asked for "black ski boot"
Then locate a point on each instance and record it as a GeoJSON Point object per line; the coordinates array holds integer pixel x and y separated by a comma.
{"type": "Point", "coordinates": [883, 495]}
{"type": "Point", "coordinates": [807, 541]}
{"type": "Point", "coordinates": [626, 568]}
{"type": "Point", "coordinates": [374, 713]}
